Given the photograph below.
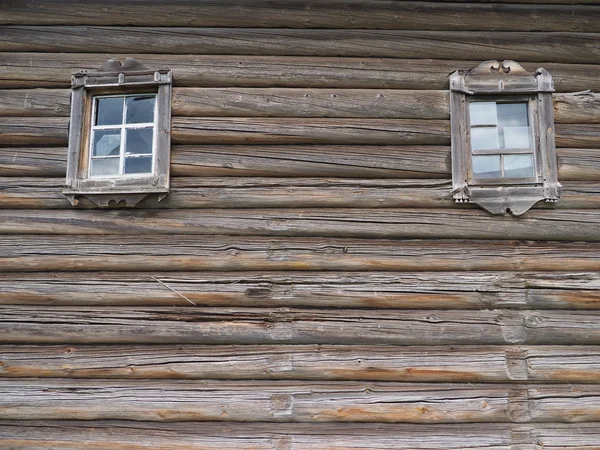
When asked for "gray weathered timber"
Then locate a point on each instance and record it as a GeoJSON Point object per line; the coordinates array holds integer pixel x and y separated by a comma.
{"type": "Point", "coordinates": [24, 131]}
{"type": "Point", "coordinates": [380, 223]}
{"type": "Point", "coordinates": [576, 164]}
{"type": "Point", "coordinates": [35, 70]}
{"type": "Point", "coordinates": [542, 364]}
{"type": "Point", "coordinates": [176, 252]}
{"type": "Point", "coordinates": [289, 102]}
{"type": "Point", "coordinates": [573, 48]}
{"type": "Point", "coordinates": [281, 131]}
{"type": "Point", "coordinates": [420, 290]}
{"type": "Point", "coordinates": [201, 325]}
{"type": "Point", "coordinates": [307, 14]}
{"type": "Point", "coordinates": [244, 193]}
{"type": "Point", "coordinates": [258, 102]}
{"type": "Point", "coordinates": [290, 401]}
{"type": "Point", "coordinates": [57, 435]}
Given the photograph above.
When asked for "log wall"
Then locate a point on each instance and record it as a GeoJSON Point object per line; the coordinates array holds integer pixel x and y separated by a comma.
{"type": "Point", "coordinates": [308, 282]}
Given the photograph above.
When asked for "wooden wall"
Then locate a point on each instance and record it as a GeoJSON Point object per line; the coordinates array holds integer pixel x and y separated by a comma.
{"type": "Point", "coordinates": [308, 282]}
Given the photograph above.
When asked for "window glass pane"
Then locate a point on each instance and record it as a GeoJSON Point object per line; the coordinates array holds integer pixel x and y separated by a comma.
{"type": "Point", "coordinates": [483, 113]}
{"type": "Point", "coordinates": [138, 165]}
{"type": "Point", "coordinates": [484, 138]}
{"type": "Point", "coordinates": [104, 167]}
{"type": "Point", "coordinates": [107, 143]}
{"type": "Point", "coordinates": [518, 166]}
{"type": "Point", "coordinates": [486, 166]}
{"type": "Point", "coordinates": [513, 125]}
{"type": "Point", "coordinates": [139, 141]}
{"type": "Point", "coordinates": [512, 115]}
{"type": "Point", "coordinates": [140, 109]}
{"type": "Point", "coordinates": [109, 111]}
{"type": "Point", "coordinates": [516, 137]}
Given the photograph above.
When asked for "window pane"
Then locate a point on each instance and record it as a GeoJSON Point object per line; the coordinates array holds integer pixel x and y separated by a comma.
{"type": "Point", "coordinates": [486, 167]}
{"type": "Point", "coordinates": [518, 166]}
{"type": "Point", "coordinates": [484, 138]}
{"type": "Point", "coordinates": [138, 165]}
{"type": "Point", "coordinates": [107, 143]}
{"type": "Point", "coordinates": [109, 111]}
{"type": "Point", "coordinates": [516, 137]}
{"type": "Point", "coordinates": [104, 167]}
{"type": "Point", "coordinates": [140, 109]}
{"type": "Point", "coordinates": [139, 141]}
{"type": "Point", "coordinates": [483, 113]}
{"type": "Point", "coordinates": [512, 115]}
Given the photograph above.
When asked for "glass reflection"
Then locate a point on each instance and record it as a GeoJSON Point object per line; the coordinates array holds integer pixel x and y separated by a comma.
{"type": "Point", "coordinates": [109, 111]}
{"type": "Point", "coordinates": [140, 109]}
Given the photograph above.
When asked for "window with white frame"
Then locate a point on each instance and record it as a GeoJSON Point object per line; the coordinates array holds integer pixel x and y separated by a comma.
{"type": "Point", "coordinates": [122, 137]}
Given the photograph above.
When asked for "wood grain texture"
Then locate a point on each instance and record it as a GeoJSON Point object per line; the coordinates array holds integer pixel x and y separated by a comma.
{"type": "Point", "coordinates": [200, 325]}
{"type": "Point", "coordinates": [244, 193]}
{"type": "Point", "coordinates": [61, 435]}
{"type": "Point", "coordinates": [542, 364]}
{"type": "Point", "coordinates": [227, 253]}
{"type": "Point", "coordinates": [290, 401]}
{"type": "Point", "coordinates": [380, 223]}
{"type": "Point", "coordinates": [281, 131]}
{"type": "Point", "coordinates": [572, 48]}
{"type": "Point", "coordinates": [36, 70]}
{"type": "Point", "coordinates": [293, 102]}
{"type": "Point", "coordinates": [430, 162]}
{"type": "Point", "coordinates": [46, 131]}
{"type": "Point", "coordinates": [419, 290]}
{"type": "Point", "coordinates": [308, 14]}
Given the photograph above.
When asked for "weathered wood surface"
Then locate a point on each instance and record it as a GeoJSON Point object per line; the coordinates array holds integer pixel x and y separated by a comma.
{"type": "Point", "coordinates": [307, 14]}
{"type": "Point", "coordinates": [219, 130]}
{"type": "Point", "coordinates": [374, 223]}
{"type": "Point", "coordinates": [420, 290]}
{"type": "Point", "coordinates": [25, 435]}
{"type": "Point", "coordinates": [259, 102]}
{"type": "Point", "coordinates": [542, 364]}
{"type": "Point", "coordinates": [559, 47]}
{"type": "Point", "coordinates": [226, 253]}
{"type": "Point", "coordinates": [289, 401]}
{"type": "Point", "coordinates": [36, 70]}
{"type": "Point", "coordinates": [284, 131]}
{"type": "Point", "coordinates": [291, 102]}
{"type": "Point", "coordinates": [21, 324]}
{"type": "Point", "coordinates": [577, 164]}
{"type": "Point", "coordinates": [244, 193]}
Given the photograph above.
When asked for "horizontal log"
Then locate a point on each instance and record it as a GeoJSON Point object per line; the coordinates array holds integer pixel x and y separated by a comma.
{"type": "Point", "coordinates": [21, 324]}
{"type": "Point", "coordinates": [244, 193]}
{"type": "Point", "coordinates": [284, 131]}
{"type": "Point", "coordinates": [575, 164]}
{"type": "Point", "coordinates": [295, 401]}
{"type": "Point", "coordinates": [572, 48]}
{"type": "Point", "coordinates": [259, 102]}
{"type": "Point", "coordinates": [308, 14]}
{"type": "Point", "coordinates": [211, 130]}
{"type": "Point", "coordinates": [226, 253]}
{"type": "Point", "coordinates": [542, 364]}
{"type": "Point", "coordinates": [380, 223]}
{"type": "Point", "coordinates": [425, 290]}
{"type": "Point", "coordinates": [580, 108]}
{"type": "Point", "coordinates": [35, 70]}
{"type": "Point", "coordinates": [61, 435]}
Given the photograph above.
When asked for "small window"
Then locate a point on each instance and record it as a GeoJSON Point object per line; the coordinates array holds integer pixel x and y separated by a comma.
{"type": "Point", "coordinates": [503, 155]}
{"type": "Point", "coordinates": [119, 138]}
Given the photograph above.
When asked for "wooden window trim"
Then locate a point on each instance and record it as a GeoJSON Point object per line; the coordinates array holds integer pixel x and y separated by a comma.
{"type": "Point", "coordinates": [504, 81]}
{"type": "Point", "coordinates": [114, 78]}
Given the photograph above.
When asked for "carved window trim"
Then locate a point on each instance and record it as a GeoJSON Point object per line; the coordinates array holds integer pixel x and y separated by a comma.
{"type": "Point", "coordinates": [114, 78]}
{"type": "Point", "coordinates": [504, 81]}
